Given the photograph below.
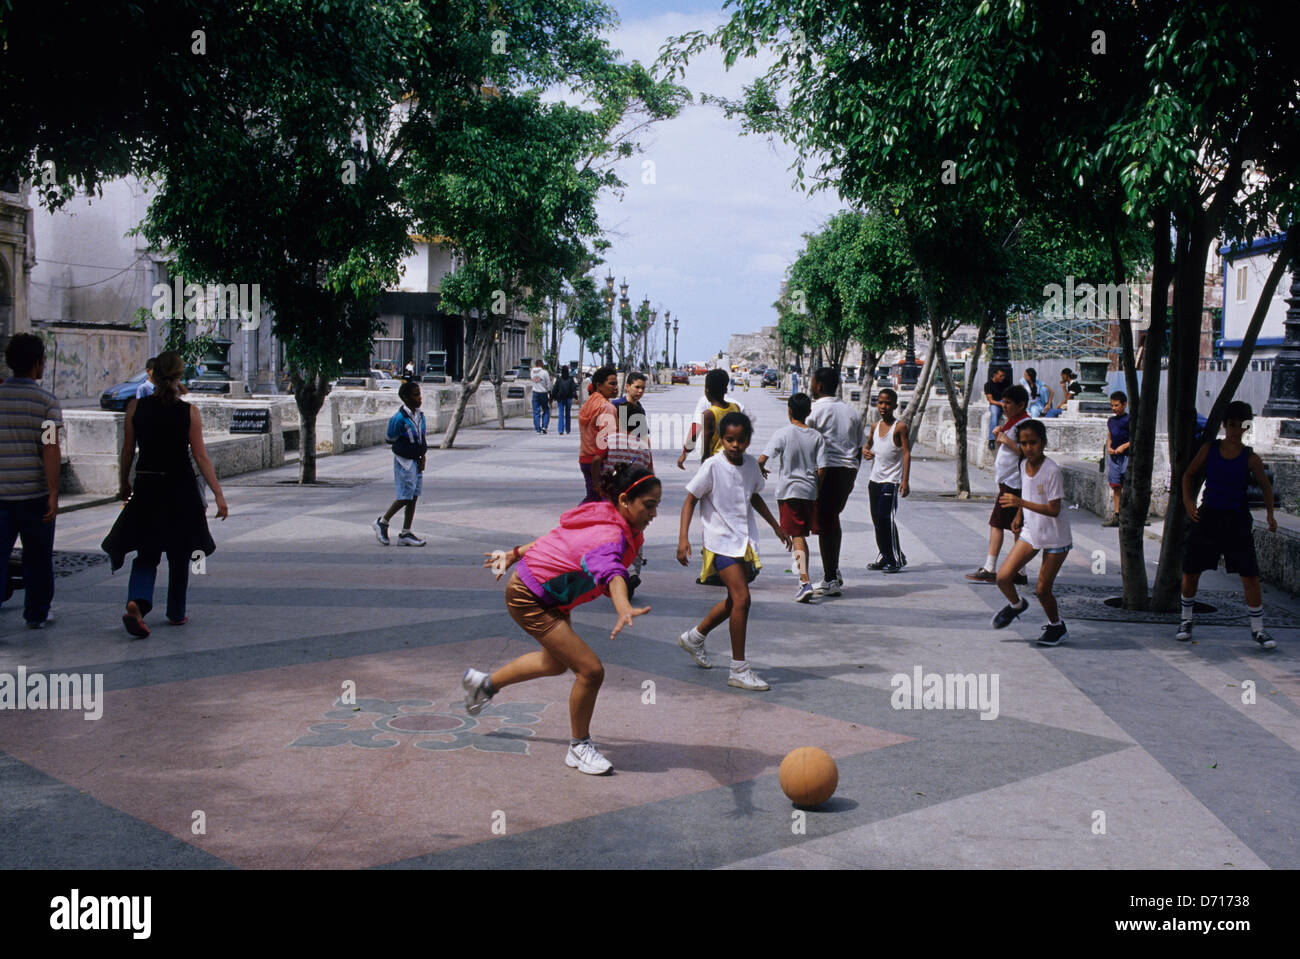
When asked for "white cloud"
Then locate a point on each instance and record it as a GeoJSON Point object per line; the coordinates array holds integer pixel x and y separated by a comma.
{"type": "Point", "coordinates": [711, 237]}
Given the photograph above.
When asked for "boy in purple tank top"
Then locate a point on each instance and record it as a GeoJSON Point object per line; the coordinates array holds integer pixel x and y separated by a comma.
{"type": "Point", "coordinates": [1221, 526]}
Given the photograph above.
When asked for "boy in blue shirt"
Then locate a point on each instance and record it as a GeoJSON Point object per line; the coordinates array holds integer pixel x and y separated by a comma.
{"type": "Point", "coordinates": [406, 434]}
{"type": "Point", "coordinates": [1221, 525]}
{"type": "Point", "coordinates": [1117, 447]}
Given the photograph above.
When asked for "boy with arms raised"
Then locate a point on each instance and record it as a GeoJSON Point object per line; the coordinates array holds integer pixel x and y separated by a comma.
{"type": "Point", "coordinates": [1222, 525]}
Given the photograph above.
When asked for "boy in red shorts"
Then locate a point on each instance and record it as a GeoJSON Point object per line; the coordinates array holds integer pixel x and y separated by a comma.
{"type": "Point", "coordinates": [801, 451]}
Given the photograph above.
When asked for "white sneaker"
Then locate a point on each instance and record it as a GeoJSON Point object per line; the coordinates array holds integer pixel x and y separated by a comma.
{"type": "Point", "coordinates": [381, 531]}
{"type": "Point", "coordinates": [475, 696]}
{"type": "Point", "coordinates": [746, 679]}
{"type": "Point", "coordinates": [586, 758]}
{"type": "Point", "coordinates": [407, 538]}
{"type": "Point", "coordinates": [829, 587]}
{"type": "Point", "coordinates": [695, 649]}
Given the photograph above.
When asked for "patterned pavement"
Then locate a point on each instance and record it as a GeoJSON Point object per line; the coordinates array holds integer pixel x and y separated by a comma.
{"type": "Point", "coordinates": [309, 715]}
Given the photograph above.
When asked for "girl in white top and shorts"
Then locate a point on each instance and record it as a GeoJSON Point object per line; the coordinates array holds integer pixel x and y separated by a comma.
{"type": "Point", "coordinates": [1041, 525]}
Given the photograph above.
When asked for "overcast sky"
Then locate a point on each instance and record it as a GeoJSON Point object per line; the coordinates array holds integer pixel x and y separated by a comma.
{"type": "Point", "coordinates": [711, 238]}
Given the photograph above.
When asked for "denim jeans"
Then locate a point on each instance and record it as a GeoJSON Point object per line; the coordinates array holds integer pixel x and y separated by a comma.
{"type": "Point", "coordinates": [541, 411]}
{"type": "Point", "coordinates": [995, 417]}
{"type": "Point", "coordinates": [22, 518]}
{"type": "Point", "coordinates": [144, 571]}
{"type": "Point", "coordinates": [562, 415]}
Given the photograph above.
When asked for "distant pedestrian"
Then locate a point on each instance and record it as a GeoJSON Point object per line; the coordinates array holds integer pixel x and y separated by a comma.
{"type": "Point", "coordinates": [564, 392]}
{"type": "Point", "coordinates": [406, 434]}
{"type": "Point", "coordinates": [146, 388]}
{"type": "Point", "coordinates": [541, 398]}
{"type": "Point", "coordinates": [1070, 388]}
{"type": "Point", "coordinates": [798, 449]}
{"type": "Point", "coordinates": [728, 487]}
{"type": "Point", "coordinates": [1222, 525]}
{"type": "Point", "coordinates": [1040, 395]}
{"type": "Point", "coordinates": [164, 512]}
{"type": "Point", "coordinates": [841, 428]}
{"type": "Point", "coordinates": [1116, 453]}
{"type": "Point", "coordinates": [1042, 526]}
{"type": "Point", "coordinates": [596, 422]}
{"type": "Point", "coordinates": [890, 454]}
{"type": "Point", "coordinates": [630, 443]}
{"type": "Point", "coordinates": [30, 460]}
{"type": "Point", "coordinates": [582, 559]}
{"type": "Point", "coordinates": [995, 388]}
{"type": "Point", "coordinates": [1006, 470]}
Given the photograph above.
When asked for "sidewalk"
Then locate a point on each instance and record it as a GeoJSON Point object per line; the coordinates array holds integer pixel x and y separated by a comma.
{"type": "Point", "coordinates": [246, 713]}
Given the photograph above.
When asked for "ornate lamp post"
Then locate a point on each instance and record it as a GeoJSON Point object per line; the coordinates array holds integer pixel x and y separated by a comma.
{"type": "Point", "coordinates": [1284, 389]}
{"type": "Point", "coordinates": [623, 304]}
{"type": "Point", "coordinates": [668, 326]}
{"type": "Point", "coordinates": [675, 324]}
{"type": "Point", "coordinates": [645, 334]}
{"type": "Point", "coordinates": [1001, 346]}
{"type": "Point", "coordinates": [907, 377]}
{"type": "Point", "coordinates": [609, 302]}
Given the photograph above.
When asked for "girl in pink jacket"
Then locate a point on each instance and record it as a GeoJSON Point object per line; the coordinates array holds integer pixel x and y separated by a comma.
{"type": "Point", "coordinates": [586, 556]}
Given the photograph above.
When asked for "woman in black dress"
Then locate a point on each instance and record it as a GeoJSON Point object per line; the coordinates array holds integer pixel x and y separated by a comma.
{"type": "Point", "coordinates": [165, 511]}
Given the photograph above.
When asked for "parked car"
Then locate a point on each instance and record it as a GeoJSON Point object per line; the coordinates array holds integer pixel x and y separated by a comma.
{"type": "Point", "coordinates": [771, 378]}
{"type": "Point", "coordinates": [681, 376]}
{"type": "Point", "coordinates": [117, 397]}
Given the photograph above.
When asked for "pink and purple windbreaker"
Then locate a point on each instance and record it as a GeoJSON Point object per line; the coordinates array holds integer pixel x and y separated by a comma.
{"type": "Point", "coordinates": [574, 563]}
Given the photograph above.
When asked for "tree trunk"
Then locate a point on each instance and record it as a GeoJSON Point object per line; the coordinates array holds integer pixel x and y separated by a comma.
{"type": "Point", "coordinates": [1135, 499]}
{"type": "Point", "coordinates": [473, 377]}
{"type": "Point", "coordinates": [309, 395]}
{"type": "Point", "coordinates": [1184, 349]}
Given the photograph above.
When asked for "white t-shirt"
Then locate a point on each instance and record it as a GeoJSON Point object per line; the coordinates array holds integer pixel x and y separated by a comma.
{"type": "Point", "coordinates": [1006, 465]}
{"type": "Point", "coordinates": [724, 491]}
{"type": "Point", "coordinates": [841, 428]}
{"type": "Point", "coordinates": [1039, 531]}
{"type": "Point", "coordinates": [800, 450]}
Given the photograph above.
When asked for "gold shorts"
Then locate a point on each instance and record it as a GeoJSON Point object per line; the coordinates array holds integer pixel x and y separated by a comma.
{"type": "Point", "coordinates": [528, 611]}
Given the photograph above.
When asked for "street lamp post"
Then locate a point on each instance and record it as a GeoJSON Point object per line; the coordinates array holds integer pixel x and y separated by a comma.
{"type": "Point", "coordinates": [668, 326]}
{"type": "Point", "coordinates": [609, 337]}
{"type": "Point", "coordinates": [675, 324]}
{"type": "Point", "coordinates": [624, 305]}
{"type": "Point", "coordinates": [1284, 387]}
{"type": "Point", "coordinates": [645, 334]}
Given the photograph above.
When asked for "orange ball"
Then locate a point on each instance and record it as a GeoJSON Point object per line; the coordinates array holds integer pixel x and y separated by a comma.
{"type": "Point", "coordinates": [808, 776]}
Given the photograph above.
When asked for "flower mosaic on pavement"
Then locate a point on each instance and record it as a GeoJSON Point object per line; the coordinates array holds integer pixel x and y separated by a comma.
{"type": "Point", "coordinates": [381, 724]}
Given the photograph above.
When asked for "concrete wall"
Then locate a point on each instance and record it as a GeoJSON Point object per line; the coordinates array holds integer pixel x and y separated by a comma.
{"type": "Point", "coordinates": [85, 362]}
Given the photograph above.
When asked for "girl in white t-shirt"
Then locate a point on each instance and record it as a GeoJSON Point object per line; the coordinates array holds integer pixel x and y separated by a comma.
{"type": "Point", "coordinates": [1042, 526]}
{"type": "Point", "coordinates": [728, 489]}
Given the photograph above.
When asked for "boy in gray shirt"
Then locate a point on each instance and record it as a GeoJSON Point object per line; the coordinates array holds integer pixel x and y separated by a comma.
{"type": "Point", "coordinates": [802, 454]}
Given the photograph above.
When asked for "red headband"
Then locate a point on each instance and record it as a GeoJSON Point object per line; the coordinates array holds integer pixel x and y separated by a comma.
{"type": "Point", "coordinates": [639, 482]}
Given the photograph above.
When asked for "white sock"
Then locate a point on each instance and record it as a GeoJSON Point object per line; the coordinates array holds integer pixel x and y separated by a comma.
{"type": "Point", "coordinates": [739, 665]}
{"type": "Point", "coordinates": [1256, 617]}
{"type": "Point", "coordinates": [695, 635]}
{"type": "Point", "coordinates": [1188, 608]}
{"type": "Point", "coordinates": [991, 564]}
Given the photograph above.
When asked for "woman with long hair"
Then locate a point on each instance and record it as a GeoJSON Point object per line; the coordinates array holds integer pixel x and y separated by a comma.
{"type": "Point", "coordinates": [164, 513]}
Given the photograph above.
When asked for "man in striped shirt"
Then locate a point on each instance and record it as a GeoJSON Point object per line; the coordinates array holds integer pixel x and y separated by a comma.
{"type": "Point", "coordinates": [30, 420]}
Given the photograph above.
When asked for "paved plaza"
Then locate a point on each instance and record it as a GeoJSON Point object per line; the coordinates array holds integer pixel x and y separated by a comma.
{"type": "Point", "coordinates": [310, 714]}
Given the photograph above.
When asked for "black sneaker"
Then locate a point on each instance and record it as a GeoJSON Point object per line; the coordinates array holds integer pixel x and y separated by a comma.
{"type": "Point", "coordinates": [1020, 579]}
{"type": "Point", "coordinates": [1264, 639]}
{"type": "Point", "coordinates": [877, 566]}
{"type": "Point", "coordinates": [633, 581]}
{"type": "Point", "coordinates": [892, 568]}
{"type": "Point", "coordinates": [1006, 614]}
{"type": "Point", "coordinates": [1053, 635]}
{"type": "Point", "coordinates": [1184, 631]}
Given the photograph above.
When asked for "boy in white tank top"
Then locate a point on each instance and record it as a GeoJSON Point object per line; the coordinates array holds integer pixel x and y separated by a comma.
{"type": "Point", "coordinates": [890, 456]}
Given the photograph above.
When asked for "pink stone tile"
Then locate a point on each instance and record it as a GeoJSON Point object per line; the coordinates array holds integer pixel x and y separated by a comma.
{"type": "Point", "coordinates": [222, 745]}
